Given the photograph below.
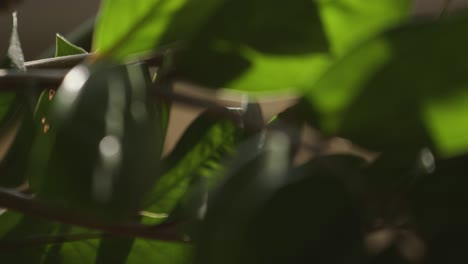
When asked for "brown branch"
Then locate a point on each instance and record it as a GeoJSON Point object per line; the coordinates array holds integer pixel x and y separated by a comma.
{"type": "Point", "coordinates": [42, 79]}
{"type": "Point", "coordinates": [24, 204]}
{"type": "Point", "coordinates": [50, 239]}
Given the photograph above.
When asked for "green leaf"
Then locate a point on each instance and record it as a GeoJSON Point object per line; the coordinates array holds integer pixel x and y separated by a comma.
{"type": "Point", "coordinates": [93, 165]}
{"type": "Point", "coordinates": [126, 28]}
{"type": "Point", "coordinates": [273, 47]}
{"type": "Point", "coordinates": [25, 239]}
{"type": "Point", "coordinates": [276, 48]}
{"type": "Point", "coordinates": [394, 90]}
{"type": "Point", "coordinates": [197, 154]}
{"type": "Point", "coordinates": [15, 119]}
{"type": "Point", "coordinates": [257, 171]}
{"type": "Point", "coordinates": [318, 218]}
{"type": "Point", "coordinates": [64, 48]}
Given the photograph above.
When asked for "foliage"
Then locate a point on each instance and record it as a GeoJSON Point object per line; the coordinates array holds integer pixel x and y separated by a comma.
{"type": "Point", "coordinates": [84, 178]}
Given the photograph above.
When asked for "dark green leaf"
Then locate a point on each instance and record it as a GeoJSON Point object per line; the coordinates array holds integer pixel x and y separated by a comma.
{"type": "Point", "coordinates": [15, 119]}
{"type": "Point", "coordinates": [254, 175]}
{"type": "Point", "coordinates": [63, 47]}
{"type": "Point", "coordinates": [92, 164]}
{"type": "Point", "coordinates": [277, 47]}
{"type": "Point", "coordinates": [437, 205]}
{"type": "Point", "coordinates": [197, 154]}
{"type": "Point", "coordinates": [24, 239]}
{"type": "Point", "coordinates": [312, 219]}
{"type": "Point", "coordinates": [387, 92]}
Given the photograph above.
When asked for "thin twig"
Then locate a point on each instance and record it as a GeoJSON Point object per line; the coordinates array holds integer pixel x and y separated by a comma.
{"type": "Point", "coordinates": [68, 62]}
{"type": "Point", "coordinates": [18, 202]}
{"type": "Point", "coordinates": [42, 79]}
{"type": "Point", "coordinates": [50, 239]}
{"type": "Point", "coordinates": [63, 62]}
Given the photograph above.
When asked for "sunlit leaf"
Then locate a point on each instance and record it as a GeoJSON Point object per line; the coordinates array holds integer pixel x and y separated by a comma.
{"type": "Point", "coordinates": [250, 55]}
{"type": "Point", "coordinates": [63, 47]}
{"type": "Point", "coordinates": [126, 28]}
{"type": "Point", "coordinates": [273, 47]}
{"type": "Point", "coordinates": [387, 92]}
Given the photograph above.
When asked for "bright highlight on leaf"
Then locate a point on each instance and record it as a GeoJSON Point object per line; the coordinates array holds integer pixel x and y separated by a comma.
{"type": "Point", "coordinates": [399, 91]}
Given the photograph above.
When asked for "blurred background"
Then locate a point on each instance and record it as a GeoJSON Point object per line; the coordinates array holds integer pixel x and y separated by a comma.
{"type": "Point", "coordinates": [39, 21]}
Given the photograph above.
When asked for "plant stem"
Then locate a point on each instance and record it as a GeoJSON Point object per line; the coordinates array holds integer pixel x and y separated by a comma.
{"type": "Point", "coordinates": [18, 202]}
{"type": "Point", "coordinates": [67, 62]}
{"type": "Point", "coordinates": [63, 62]}
{"type": "Point", "coordinates": [52, 239]}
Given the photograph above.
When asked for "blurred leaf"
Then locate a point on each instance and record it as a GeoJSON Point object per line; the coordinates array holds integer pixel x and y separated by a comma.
{"type": "Point", "coordinates": [256, 172]}
{"type": "Point", "coordinates": [273, 47]}
{"type": "Point", "coordinates": [94, 166]}
{"type": "Point", "coordinates": [12, 166]}
{"type": "Point", "coordinates": [24, 239]}
{"type": "Point", "coordinates": [15, 119]}
{"type": "Point", "coordinates": [197, 154]}
{"type": "Point", "coordinates": [438, 211]}
{"type": "Point", "coordinates": [276, 47]}
{"type": "Point", "coordinates": [126, 28]}
{"type": "Point", "coordinates": [311, 219]}
{"type": "Point", "coordinates": [15, 57]}
{"type": "Point", "coordinates": [386, 93]}
{"type": "Point", "coordinates": [63, 47]}
{"type": "Point", "coordinates": [23, 230]}
{"type": "Point", "coordinates": [349, 22]}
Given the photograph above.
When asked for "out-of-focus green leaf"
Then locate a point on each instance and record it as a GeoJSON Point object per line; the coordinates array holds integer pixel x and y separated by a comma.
{"type": "Point", "coordinates": [250, 56]}
{"type": "Point", "coordinates": [437, 205]}
{"type": "Point", "coordinates": [15, 118]}
{"type": "Point", "coordinates": [273, 47]}
{"type": "Point", "coordinates": [318, 218]}
{"type": "Point", "coordinates": [12, 167]}
{"type": "Point", "coordinates": [107, 144]}
{"type": "Point", "coordinates": [25, 239]}
{"type": "Point", "coordinates": [20, 236]}
{"type": "Point", "coordinates": [256, 172]}
{"type": "Point", "coordinates": [387, 92]}
{"type": "Point", "coordinates": [63, 47]}
{"type": "Point", "coordinates": [198, 154]}
{"type": "Point", "coordinates": [126, 28]}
